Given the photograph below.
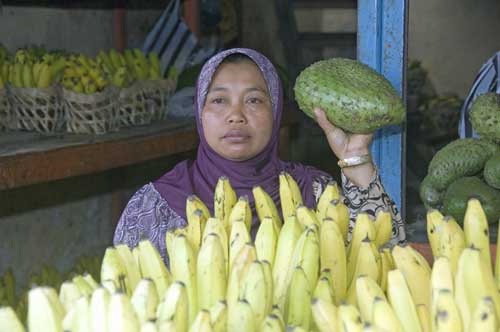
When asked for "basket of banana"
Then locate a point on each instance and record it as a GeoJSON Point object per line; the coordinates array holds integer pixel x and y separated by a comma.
{"type": "Point", "coordinates": [126, 71]}
{"type": "Point", "coordinates": [91, 103]}
{"type": "Point", "coordinates": [34, 93]}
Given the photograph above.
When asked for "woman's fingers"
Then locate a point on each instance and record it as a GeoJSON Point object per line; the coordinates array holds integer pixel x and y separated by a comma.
{"type": "Point", "coordinates": [323, 121]}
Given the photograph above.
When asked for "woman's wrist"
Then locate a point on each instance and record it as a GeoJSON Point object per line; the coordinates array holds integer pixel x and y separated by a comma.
{"type": "Point", "coordinates": [359, 168]}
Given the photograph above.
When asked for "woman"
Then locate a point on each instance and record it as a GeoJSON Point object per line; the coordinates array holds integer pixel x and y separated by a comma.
{"type": "Point", "coordinates": [238, 107]}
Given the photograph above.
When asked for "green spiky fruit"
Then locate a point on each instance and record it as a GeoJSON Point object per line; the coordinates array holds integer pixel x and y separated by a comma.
{"type": "Point", "coordinates": [485, 116]}
{"type": "Point", "coordinates": [354, 97]}
{"type": "Point", "coordinates": [491, 171]}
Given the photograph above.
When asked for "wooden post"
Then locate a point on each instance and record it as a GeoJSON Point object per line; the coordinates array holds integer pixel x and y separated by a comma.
{"type": "Point", "coordinates": [191, 13]}
{"type": "Point", "coordinates": [119, 26]}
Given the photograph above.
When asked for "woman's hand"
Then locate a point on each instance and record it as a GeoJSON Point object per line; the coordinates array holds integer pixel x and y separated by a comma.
{"type": "Point", "coordinates": [346, 145]}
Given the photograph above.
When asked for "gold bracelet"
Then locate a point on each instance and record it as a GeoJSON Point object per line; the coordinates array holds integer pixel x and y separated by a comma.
{"type": "Point", "coordinates": [354, 161]}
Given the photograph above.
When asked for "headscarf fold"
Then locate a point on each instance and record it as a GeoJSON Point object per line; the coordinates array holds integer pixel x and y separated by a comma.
{"type": "Point", "coordinates": [200, 176]}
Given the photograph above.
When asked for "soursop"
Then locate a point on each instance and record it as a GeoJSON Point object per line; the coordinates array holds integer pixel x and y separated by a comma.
{"type": "Point", "coordinates": [462, 157]}
{"type": "Point", "coordinates": [485, 116]}
{"type": "Point", "coordinates": [354, 97]}
{"type": "Point", "coordinates": [491, 171]}
{"type": "Point", "coordinates": [460, 191]}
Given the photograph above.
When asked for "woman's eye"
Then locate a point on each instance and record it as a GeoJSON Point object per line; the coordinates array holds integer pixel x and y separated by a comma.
{"type": "Point", "coordinates": [254, 100]}
{"type": "Point", "coordinates": [217, 100]}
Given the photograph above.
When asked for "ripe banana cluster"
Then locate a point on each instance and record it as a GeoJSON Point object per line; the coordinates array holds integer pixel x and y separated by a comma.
{"type": "Point", "coordinates": [82, 74]}
{"type": "Point", "coordinates": [299, 274]}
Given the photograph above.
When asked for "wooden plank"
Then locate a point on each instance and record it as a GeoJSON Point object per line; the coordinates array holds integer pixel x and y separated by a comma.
{"type": "Point", "coordinates": [321, 4]}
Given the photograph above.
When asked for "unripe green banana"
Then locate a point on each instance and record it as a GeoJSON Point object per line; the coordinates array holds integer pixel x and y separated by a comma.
{"type": "Point", "coordinates": [240, 317]}
{"type": "Point", "coordinates": [287, 240]}
{"type": "Point", "coordinates": [324, 314]}
{"type": "Point", "coordinates": [121, 314]}
{"type": "Point", "coordinates": [330, 193]}
{"type": "Point", "coordinates": [99, 307]}
{"type": "Point", "coordinates": [183, 268]}
{"type": "Point", "coordinates": [242, 211]}
{"type": "Point", "coordinates": [290, 195]}
{"type": "Point", "coordinates": [44, 79]}
{"type": "Point", "coordinates": [153, 267]}
{"type": "Point", "coordinates": [27, 78]}
{"type": "Point", "coordinates": [154, 65]}
{"type": "Point", "coordinates": [145, 300]}
{"type": "Point", "coordinates": [211, 272]}
{"type": "Point", "coordinates": [333, 256]}
{"type": "Point", "coordinates": [175, 306]}
{"type": "Point", "coordinates": [224, 200]}
{"type": "Point", "coordinates": [266, 240]}
{"type": "Point", "coordinates": [9, 320]}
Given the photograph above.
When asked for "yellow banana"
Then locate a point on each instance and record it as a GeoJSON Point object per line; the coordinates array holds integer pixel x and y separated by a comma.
{"type": "Point", "coordinates": [338, 212]}
{"type": "Point", "coordinates": [215, 226]}
{"type": "Point", "coordinates": [154, 66]}
{"type": "Point", "coordinates": [237, 240]}
{"type": "Point", "coordinates": [166, 326]}
{"type": "Point", "coordinates": [240, 317]}
{"type": "Point", "coordinates": [202, 322]}
{"type": "Point", "coordinates": [367, 290]}
{"type": "Point", "coordinates": [330, 193]}
{"type": "Point", "coordinates": [41, 312]}
{"type": "Point", "coordinates": [445, 316]}
{"type": "Point", "coordinates": [99, 306]}
{"type": "Point", "coordinates": [384, 317]}
{"type": "Point", "coordinates": [149, 326]}
{"type": "Point", "coordinates": [424, 316]}
{"type": "Point", "coordinates": [324, 314]}
{"type": "Point", "coordinates": [268, 281]}
{"type": "Point", "coordinates": [254, 289]}
{"type": "Point", "coordinates": [333, 256]}
{"type": "Point", "coordinates": [266, 240]}
{"type": "Point", "coordinates": [290, 195]}
{"type": "Point", "coordinates": [306, 254]}
{"type": "Point", "coordinates": [83, 286]}
{"type": "Point", "coordinates": [383, 227]}
{"type": "Point", "coordinates": [265, 206]}
{"type": "Point", "coordinates": [385, 266]}
{"type": "Point", "coordinates": [90, 281]}
{"type": "Point", "coordinates": [362, 228]}
{"type": "Point", "coordinates": [242, 211]}
{"type": "Point", "coordinates": [434, 228]}
{"type": "Point", "coordinates": [170, 236]}
{"type": "Point", "coordinates": [299, 293]}
{"type": "Point", "coordinates": [44, 79]}
{"type": "Point", "coordinates": [401, 301]}
{"type": "Point", "coordinates": [196, 223]}
{"type": "Point", "coordinates": [287, 239]}
{"type": "Point", "coordinates": [78, 318]}
{"type": "Point", "coordinates": [417, 276]}
{"type": "Point", "coordinates": [218, 316]}
{"type": "Point", "coordinates": [306, 216]}
{"type": "Point", "coordinates": [175, 306]}
{"type": "Point", "coordinates": [152, 266]}
{"type": "Point", "coordinates": [145, 300]}
{"type": "Point", "coordinates": [193, 203]}
{"type": "Point", "coordinates": [131, 266]}
{"type": "Point", "coordinates": [28, 81]}
{"type": "Point", "coordinates": [224, 200]}
{"type": "Point", "coordinates": [183, 268]}
{"type": "Point", "coordinates": [9, 320]}
{"type": "Point", "coordinates": [484, 318]}
{"type": "Point", "coordinates": [271, 324]}
{"type": "Point", "coordinates": [324, 289]}
{"type": "Point", "coordinates": [451, 241]}
{"type": "Point", "coordinates": [476, 229]}
{"type": "Point", "coordinates": [121, 314]}
{"type": "Point", "coordinates": [238, 270]}
{"type": "Point", "coordinates": [211, 272]}
{"type": "Point", "coordinates": [441, 277]}
{"type": "Point", "coordinates": [69, 293]}
{"type": "Point", "coordinates": [349, 319]}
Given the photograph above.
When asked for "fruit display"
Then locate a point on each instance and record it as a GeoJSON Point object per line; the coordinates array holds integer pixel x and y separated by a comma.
{"type": "Point", "coordinates": [354, 97]}
{"type": "Point", "coordinates": [300, 274]}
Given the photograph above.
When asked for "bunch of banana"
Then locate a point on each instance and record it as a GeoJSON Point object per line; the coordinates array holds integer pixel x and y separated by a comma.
{"type": "Point", "coordinates": [114, 65]}
{"type": "Point", "coordinates": [83, 74]}
{"type": "Point", "coordinates": [144, 66]}
{"type": "Point", "coordinates": [4, 66]}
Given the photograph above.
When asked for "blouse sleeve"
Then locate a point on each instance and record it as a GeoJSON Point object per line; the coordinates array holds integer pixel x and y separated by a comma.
{"type": "Point", "coordinates": [371, 200]}
{"type": "Point", "coordinates": [147, 216]}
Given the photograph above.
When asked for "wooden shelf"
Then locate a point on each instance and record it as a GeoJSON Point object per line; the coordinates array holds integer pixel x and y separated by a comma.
{"type": "Point", "coordinates": [28, 158]}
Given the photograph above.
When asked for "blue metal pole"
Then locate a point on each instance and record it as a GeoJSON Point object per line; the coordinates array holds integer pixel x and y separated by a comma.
{"type": "Point", "coordinates": [382, 27]}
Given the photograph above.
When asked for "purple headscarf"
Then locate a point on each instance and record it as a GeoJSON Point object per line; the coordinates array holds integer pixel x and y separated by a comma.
{"type": "Point", "coordinates": [200, 176]}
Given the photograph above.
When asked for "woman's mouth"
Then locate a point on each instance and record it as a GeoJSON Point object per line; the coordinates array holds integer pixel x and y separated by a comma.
{"type": "Point", "coordinates": [236, 136]}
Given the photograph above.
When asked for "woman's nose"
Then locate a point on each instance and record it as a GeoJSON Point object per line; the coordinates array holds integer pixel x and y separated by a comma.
{"type": "Point", "coordinates": [236, 116]}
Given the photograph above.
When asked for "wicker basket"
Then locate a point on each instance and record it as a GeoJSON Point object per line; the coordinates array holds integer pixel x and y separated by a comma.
{"type": "Point", "coordinates": [36, 109]}
{"type": "Point", "coordinates": [157, 93]}
{"type": "Point", "coordinates": [134, 108]}
{"type": "Point", "coordinates": [5, 111]}
{"type": "Point", "coordinates": [93, 113]}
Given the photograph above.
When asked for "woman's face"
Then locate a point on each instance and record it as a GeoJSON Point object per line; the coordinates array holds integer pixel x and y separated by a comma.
{"type": "Point", "coordinates": [237, 116]}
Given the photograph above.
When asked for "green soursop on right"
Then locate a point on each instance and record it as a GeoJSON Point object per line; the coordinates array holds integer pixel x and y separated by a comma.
{"type": "Point", "coordinates": [485, 116]}
{"type": "Point", "coordinates": [354, 96]}
{"type": "Point", "coordinates": [491, 171]}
